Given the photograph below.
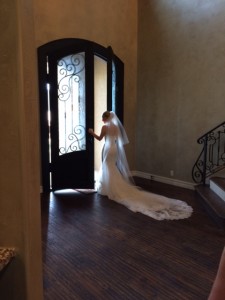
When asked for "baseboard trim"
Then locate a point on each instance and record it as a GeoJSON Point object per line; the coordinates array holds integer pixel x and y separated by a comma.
{"type": "Point", "coordinates": [184, 184]}
{"type": "Point", "coordinates": [171, 181]}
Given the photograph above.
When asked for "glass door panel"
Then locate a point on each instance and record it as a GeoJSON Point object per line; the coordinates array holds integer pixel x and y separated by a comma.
{"type": "Point", "coordinates": [71, 103]}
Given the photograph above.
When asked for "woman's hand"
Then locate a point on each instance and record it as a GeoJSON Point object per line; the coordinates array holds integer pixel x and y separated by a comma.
{"type": "Point", "coordinates": [98, 137]}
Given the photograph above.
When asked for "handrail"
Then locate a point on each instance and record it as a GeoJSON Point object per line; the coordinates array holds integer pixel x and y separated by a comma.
{"type": "Point", "coordinates": [210, 131]}
{"type": "Point", "coordinates": [212, 156]}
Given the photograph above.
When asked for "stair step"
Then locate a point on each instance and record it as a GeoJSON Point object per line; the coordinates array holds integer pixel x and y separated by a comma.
{"type": "Point", "coordinates": [217, 185]}
{"type": "Point", "coordinates": [214, 205]}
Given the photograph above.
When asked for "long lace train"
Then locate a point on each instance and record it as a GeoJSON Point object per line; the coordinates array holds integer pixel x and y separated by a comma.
{"type": "Point", "coordinates": [113, 185]}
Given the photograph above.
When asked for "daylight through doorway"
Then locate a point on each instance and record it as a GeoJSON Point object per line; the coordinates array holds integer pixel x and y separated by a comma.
{"type": "Point", "coordinates": [100, 105]}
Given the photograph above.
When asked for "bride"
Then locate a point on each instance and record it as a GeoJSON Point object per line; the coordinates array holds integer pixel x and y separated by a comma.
{"type": "Point", "coordinates": [115, 180]}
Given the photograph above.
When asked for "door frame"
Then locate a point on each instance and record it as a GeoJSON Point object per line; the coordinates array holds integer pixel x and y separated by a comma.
{"type": "Point", "coordinates": [49, 49]}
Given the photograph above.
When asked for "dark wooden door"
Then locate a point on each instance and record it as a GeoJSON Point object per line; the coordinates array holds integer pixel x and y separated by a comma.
{"type": "Point", "coordinates": [71, 109]}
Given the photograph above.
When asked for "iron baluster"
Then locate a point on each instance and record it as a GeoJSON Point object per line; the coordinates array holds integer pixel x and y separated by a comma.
{"type": "Point", "coordinates": [204, 160]}
{"type": "Point", "coordinates": [212, 156]}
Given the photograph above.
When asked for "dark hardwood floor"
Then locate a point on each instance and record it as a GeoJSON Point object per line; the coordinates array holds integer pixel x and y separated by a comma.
{"type": "Point", "coordinates": [94, 248]}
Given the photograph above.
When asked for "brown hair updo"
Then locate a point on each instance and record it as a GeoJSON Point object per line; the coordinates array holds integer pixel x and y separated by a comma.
{"type": "Point", "coordinates": [106, 114]}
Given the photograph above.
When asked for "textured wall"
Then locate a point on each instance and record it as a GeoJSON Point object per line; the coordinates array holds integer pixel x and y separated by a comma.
{"type": "Point", "coordinates": [181, 91]}
{"type": "Point", "coordinates": [109, 23]}
{"type": "Point", "coordinates": [19, 159]}
{"type": "Point", "coordinates": [11, 212]}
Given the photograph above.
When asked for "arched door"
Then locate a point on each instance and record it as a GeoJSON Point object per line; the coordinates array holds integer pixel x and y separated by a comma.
{"type": "Point", "coordinates": [66, 85]}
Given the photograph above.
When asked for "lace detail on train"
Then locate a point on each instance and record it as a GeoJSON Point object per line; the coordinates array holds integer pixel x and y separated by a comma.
{"type": "Point", "coordinates": [120, 189]}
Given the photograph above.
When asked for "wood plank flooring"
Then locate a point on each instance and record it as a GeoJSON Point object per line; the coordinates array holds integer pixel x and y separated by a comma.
{"type": "Point", "coordinates": [96, 249]}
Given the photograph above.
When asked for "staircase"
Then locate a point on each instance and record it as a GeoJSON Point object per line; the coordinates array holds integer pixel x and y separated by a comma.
{"type": "Point", "coordinates": [211, 160]}
{"type": "Point", "coordinates": [213, 199]}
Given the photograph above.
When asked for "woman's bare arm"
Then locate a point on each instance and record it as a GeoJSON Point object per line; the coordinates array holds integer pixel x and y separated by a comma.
{"type": "Point", "coordinates": [98, 137]}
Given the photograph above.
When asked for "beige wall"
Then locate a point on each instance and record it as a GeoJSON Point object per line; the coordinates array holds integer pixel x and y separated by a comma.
{"type": "Point", "coordinates": [19, 160]}
{"type": "Point", "coordinates": [181, 90]}
{"type": "Point", "coordinates": [109, 23]}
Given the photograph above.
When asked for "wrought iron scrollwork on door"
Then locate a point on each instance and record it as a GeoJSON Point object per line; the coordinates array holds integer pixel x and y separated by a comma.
{"type": "Point", "coordinates": [71, 103]}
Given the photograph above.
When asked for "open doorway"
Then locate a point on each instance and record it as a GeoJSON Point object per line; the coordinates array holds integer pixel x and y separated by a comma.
{"type": "Point", "coordinates": [100, 105]}
{"type": "Point", "coordinates": [95, 75]}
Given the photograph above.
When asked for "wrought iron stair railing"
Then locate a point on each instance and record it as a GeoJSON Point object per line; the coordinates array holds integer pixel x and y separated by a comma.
{"type": "Point", "coordinates": [212, 156]}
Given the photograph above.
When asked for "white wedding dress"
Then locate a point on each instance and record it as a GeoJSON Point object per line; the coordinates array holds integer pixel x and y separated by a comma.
{"type": "Point", "coordinates": [115, 181]}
